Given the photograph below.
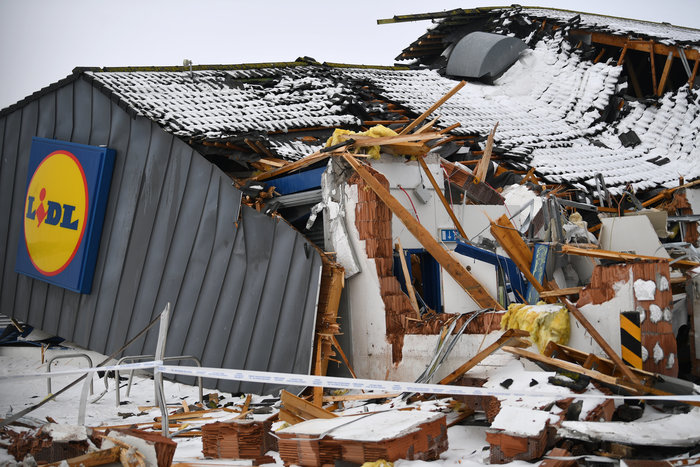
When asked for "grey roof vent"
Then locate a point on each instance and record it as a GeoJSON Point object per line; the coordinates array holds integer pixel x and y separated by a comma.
{"type": "Point", "coordinates": [483, 55]}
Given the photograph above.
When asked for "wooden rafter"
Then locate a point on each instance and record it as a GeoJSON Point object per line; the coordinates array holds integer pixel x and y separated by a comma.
{"type": "Point", "coordinates": [632, 44]}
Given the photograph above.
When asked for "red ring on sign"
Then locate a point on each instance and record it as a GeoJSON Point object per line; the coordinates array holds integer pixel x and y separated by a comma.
{"type": "Point", "coordinates": [82, 228]}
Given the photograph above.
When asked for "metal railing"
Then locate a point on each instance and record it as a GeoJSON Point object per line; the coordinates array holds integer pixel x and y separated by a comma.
{"type": "Point", "coordinates": [151, 357]}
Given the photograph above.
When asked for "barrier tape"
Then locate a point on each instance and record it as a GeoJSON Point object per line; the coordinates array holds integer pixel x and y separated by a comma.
{"type": "Point", "coordinates": [291, 379]}
{"type": "Point", "coordinates": [80, 371]}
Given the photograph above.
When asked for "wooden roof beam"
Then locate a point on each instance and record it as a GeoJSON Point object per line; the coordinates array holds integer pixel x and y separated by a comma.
{"type": "Point", "coordinates": [636, 44]}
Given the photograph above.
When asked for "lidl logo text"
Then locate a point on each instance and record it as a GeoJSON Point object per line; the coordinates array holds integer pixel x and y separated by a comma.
{"type": "Point", "coordinates": [52, 213]}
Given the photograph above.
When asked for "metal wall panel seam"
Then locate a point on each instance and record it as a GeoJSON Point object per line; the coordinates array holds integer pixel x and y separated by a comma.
{"type": "Point", "coordinates": [82, 122]}
{"type": "Point", "coordinates": [115, 245]}
{"type": "Point", "coordinates": [13, 124]}
{"type": "Point", "coordinates": [100, 133]}
{"type": "Point", "coordinates": [63, 129]}
{"type": "Point", "coordinates": [183, 243]}
{"type": "Point", "coordinates": [258, 246]}
{"type": "Point", "coordinates": [270, 305]}
{"type": "Point", "coordinates": [38, 289]}
{"type": "Point", "coordinates": [212, 287]}
{"type": "Point", "coordinates": [64, 108]}
{"type": "Point", "coordinates": [162, 228]}
{"type": "Point", "coordinates": [136, 157]}
{"type": "Point", "coordinates": [211, 275]}
{"type": "Point", "coordinates": [121, 244]}
{"type": "Point", "coordinates": [311, 300]}
{"type": "Point", "coordinates": [285, 339]}
{"type": "Point", "coordinates": [5, 201]}
{"type": "Point", "coordinates": [224, 317]}
{"type": "Point", "coordinates": [195, 271]}
{"type": "Point", "coordinates": [23, 285]}
{"type": "Point", "coordinates": [45, 129]}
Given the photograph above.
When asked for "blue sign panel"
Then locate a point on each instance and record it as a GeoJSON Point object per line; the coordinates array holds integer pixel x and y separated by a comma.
{"type": "Point", "coordinates": [65, 200]}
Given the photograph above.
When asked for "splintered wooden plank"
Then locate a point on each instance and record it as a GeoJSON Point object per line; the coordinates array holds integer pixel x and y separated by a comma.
{"type": "Point", "coordinates": [510, 240]}
{"type": "Point", "coordinates": [607, 254]}
{"type": "Point", "coordinates": [296, 165]}
{"type": "Point", "coordinates": [453, 267]}
{"type": "Point", "coordinates": [407, 279]}
{"type": "Point", "coordinates": [441, 195]}
{"type": "Point", "coordinates": [301, 408]}
{"type": "Point", "coordinates": [512, 337]}
{"type": "Point", "coordinates": [432, 108]}
{"type": "Point", "coordinates": [483, 166]}
{"type": "Point", "coordinates": [598, 376]}
{"type": "Point", "coordinates": [561, 292]}
{"type": "Point", "coordinates": [362, 141]}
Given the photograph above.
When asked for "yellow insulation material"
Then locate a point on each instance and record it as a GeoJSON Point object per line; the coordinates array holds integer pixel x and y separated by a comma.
{"type": "Point", "coordinates": [377, 131]}
{"type": "Point", "coordinates": [544, 322]}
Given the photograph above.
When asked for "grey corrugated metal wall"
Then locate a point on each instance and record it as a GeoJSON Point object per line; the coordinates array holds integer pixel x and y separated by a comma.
{"type": "Point", "coordinates": [243, 290]}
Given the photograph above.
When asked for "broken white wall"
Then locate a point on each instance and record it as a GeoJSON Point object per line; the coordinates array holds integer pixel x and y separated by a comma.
{"type": "Point", "coordinates": [633, 234]}
{"type": "Point", "coordinates": [407, 180]}
{"type": "Point", "coordinates": [605, 318]}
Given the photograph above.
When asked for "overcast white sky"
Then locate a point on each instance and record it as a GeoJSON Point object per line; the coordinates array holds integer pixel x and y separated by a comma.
{"type": "Point", "coordinates": [41, 41]}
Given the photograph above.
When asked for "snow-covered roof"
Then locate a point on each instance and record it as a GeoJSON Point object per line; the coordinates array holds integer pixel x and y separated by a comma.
{"type": "Point", "coordinates": [211, 104]}
{"type": "Point", "coordinates": [665, 33]}
{"type": "Point", "coordinates": [550, 107]}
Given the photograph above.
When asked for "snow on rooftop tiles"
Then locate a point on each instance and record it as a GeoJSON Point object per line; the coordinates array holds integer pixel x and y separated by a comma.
{"type": "Point", "coordinates": [549, 106]}
{"type": "Point", "coordinates": [211, 104]}
{"type": "Point", "coordinates": [667, 33]}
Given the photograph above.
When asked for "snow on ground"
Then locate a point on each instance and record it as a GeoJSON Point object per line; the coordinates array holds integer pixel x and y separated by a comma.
{"type": "Point", "coordinates": [467, 443]}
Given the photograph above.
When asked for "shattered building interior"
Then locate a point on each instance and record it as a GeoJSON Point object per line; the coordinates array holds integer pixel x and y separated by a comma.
{"type": "Point", "coordinates": [521, 169]}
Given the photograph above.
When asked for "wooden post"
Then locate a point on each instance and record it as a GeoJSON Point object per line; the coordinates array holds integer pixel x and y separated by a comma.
{"type": "Point", "coordinates": [432, 109]}
{"type": "Point", "coordinates": [318, 390]}
{"type": "Point", "coordinates": [653, 68]}
{"type": "Point", "coordinates": [664, 75]}
{"type": "Point", "coordinates": [483, 165]}
{"type": "Point", "coordinates": [621, 60]}
{"type": "Point", "coordinates": [440, 194]}
{"type": "Point", "coordinates": [691, 81]}
{"type": "Point", "coordinates": [511, 241]}
{"type": "Point", "coordinates": [453, 267]}
{"type": "Point", "coordinates": [407, 279]}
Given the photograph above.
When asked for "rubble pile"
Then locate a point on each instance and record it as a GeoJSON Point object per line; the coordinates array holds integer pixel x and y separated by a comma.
{"type": "Point", "coordinates": [483, 275]}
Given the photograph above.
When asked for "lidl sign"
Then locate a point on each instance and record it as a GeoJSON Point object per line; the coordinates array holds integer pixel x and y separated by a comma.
{"type": "Point", "coordinates": [64, 205]}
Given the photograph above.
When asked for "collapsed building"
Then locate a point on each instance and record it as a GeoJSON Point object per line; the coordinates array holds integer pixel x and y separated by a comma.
{"type": "Point", "coordinates": [300, 213]}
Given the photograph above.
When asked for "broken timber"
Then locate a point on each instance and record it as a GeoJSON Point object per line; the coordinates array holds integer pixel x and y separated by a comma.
{"type": "Point", "coordinates": [468, 282]}
{"type": "Point", "coordinates": [607, 254]}
{"type": "Point", "coordinates": [512, 337]}
{"type": "Point", "coordinates": [634, 388]}
{"type": "Point", "coordinates": [511, 241]}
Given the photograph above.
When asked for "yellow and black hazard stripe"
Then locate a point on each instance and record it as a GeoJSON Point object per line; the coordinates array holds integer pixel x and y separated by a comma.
{"type": "Point", "coordinates": [631, 339]}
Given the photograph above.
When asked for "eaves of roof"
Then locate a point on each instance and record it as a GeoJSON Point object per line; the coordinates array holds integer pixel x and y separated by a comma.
{"type": "Point", "coordinates": [471, 11]}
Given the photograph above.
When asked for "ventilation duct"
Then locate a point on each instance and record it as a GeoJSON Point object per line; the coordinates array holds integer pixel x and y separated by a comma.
{"type": "Point", "coordinates": [483, 55]}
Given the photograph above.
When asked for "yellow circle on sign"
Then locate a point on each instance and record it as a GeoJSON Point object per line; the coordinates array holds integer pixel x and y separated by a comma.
{"type": "Point", "coordinates": [55, 212]}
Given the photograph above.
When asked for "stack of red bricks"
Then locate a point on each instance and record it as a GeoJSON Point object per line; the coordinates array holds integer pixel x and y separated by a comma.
{"type": "Point", "coordinates": [658, 340]}
{"type": "Point", "coordinates": [239, 439]}
{"type": "Point", "coordinates": [329, 441]}
{"type": "Point", "coordinates": [373, 222]}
